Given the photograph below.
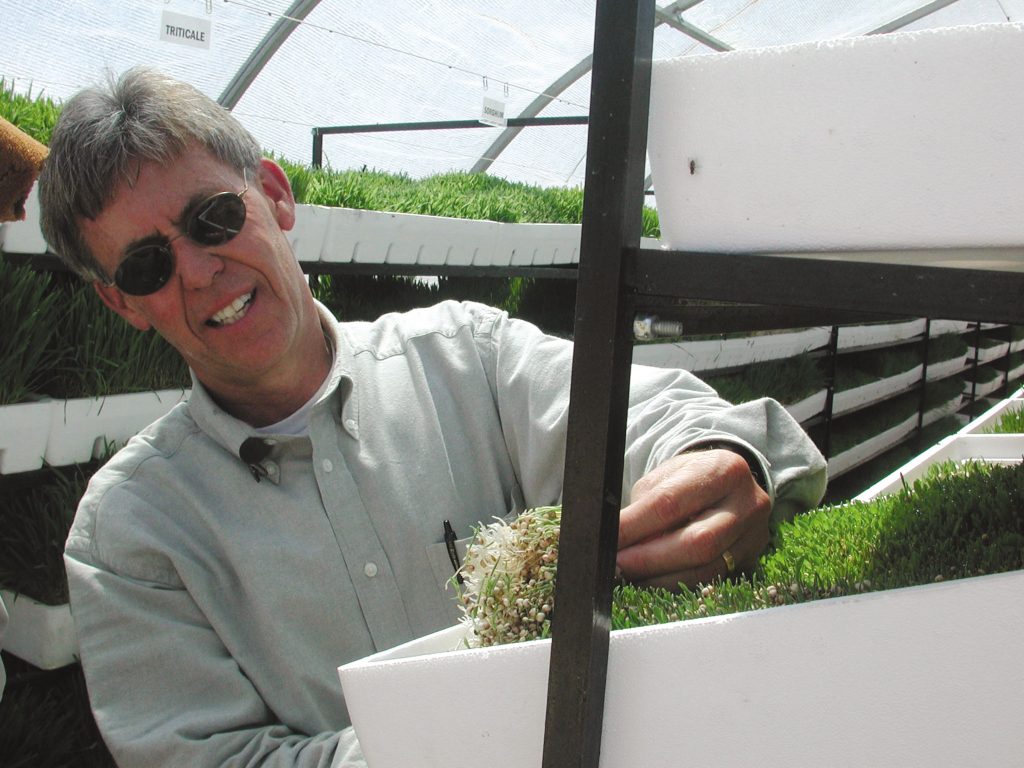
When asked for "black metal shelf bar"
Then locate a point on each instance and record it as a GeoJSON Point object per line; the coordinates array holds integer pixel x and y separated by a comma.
{"type": "Point", "coordinates": [592, 489]}
{"type": "Point", "coordinates": [923, 394]}
{"type": "Point", "coordinates": [41, 262]}
{"type": "Point", "coordinates": [840, 284]}
{"type": "Point", "coordinates": [50, 262]}
{"type": "Point", "coordinates": [975, 362]}
{"type": "Point", "coordinates": [439, 270]}
{"type": "Point", "coordinates": [432, 125]}
{"type": "Point", "coordinates": [615, 276]}
{"type": "Point", "coordinates": [733, 317]}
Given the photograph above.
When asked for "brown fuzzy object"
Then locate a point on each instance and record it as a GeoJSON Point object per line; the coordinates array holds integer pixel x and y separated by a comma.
{"type": "Point", "coordinates": [21, 158]}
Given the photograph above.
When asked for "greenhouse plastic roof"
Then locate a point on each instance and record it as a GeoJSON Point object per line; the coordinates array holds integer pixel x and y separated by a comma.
{"type": "Point", "coordinates": [330, 63]}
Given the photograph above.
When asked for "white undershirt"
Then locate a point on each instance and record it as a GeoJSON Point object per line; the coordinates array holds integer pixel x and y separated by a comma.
{"type": "Point", "coordinates": [297, 425]}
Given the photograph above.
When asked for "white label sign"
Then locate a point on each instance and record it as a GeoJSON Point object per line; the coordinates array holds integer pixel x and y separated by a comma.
{"type": "Point", "coordinates": [493, 113]}
{"type": "Point", "coordinates": [185, 30]}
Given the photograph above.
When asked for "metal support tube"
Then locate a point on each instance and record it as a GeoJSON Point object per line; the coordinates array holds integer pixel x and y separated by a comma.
{"type": "Point", "coordinates": [318, 148]}
{"type": "Point", "coordinates": [433, 125]}
{"type": "Point", "coordinates": [830, 393]}
{"type": "Point", "coordinates": [924, 374]}
{"type": "Point", "coordinates": [612, 206]}
{"type": "Point", "coordinates": [974, 361]}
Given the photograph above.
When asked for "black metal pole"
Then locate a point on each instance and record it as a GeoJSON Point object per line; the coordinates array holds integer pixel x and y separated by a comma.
{"type": "Point", "coordinates": [431, 125]}
{"type": "Point", "coordinates": [923, 394]}
{"type": "Point", "coordinates": [318, 148]}
{"type": "Point", "coordinates": [974, 363]}
{"type": "Point", "coordinates": [612, 205]}
{"type": "Point", "coordinates": [830, 393]}
{"type": "Point", "coordinates": [836, 283]}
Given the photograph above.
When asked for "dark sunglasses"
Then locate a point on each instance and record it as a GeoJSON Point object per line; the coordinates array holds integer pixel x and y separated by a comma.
{"type": "Point", "coordinates": [146, 268]}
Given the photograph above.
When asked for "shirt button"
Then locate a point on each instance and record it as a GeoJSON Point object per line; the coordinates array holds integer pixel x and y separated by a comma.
{"type": "Point", "coordinates": [370, 569]}
{"type": "Point", "coordinates": [327, 465]}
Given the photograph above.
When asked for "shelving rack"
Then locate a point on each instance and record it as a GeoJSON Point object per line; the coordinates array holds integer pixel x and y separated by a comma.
{"type": "Point", "coordinates": [616, 279]}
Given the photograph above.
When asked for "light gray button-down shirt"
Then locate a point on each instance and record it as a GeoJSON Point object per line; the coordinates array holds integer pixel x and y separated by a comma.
{"type": "Point", "coordinates": [214, 609]}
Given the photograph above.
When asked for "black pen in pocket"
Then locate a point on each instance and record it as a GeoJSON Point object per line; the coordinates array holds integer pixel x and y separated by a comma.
{"type": "Point", "coordinates": [453, 553]}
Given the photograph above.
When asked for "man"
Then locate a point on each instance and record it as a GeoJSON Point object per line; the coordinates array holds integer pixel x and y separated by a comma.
{"type": "Point", "coordinates": [290, 517]}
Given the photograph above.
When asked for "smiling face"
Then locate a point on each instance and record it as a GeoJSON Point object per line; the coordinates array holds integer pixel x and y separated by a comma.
{"type": "Point", "coordinates": [240, 313]}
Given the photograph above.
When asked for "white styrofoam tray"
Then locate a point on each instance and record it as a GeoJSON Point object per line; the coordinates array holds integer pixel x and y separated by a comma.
{"type": "Point", "coordinates": [810, 406]}
{"type": "Point", "coordinates": [24, 428]}
{"type": "Point", "coordinates": [992, 416]}
{"type": "Point", "coordinates": [940, 327]}
{"type": "Point", "coordinates": [870, 448]}
{"type": "Point", "coordinates": [1003, 449]}
{"type": "Point", "coordinates": [947, 409]}
{"type": "Point", "coordinates": [711, 354]}
{"type": "Point", "coordinates": [24, 236]}
{"type": "Point", "coordinates": [852, 336]}
{"type": "Point", "coordinates": [930, 676]}
{"type": "Point", "coordinates": [329, 234]}
{"type": "Point", "coordinates": [42, 635]}
{"type": "Point", "coordinates": [983, 388]}
{"type": "Point", "coordinates": [944, 368]}
{"type": "Point", "coordinates": [79, 427]}
{"type": "Point", "coordinates": [746, 147]}
{"type": "Point", "coordinates": [989, 353]}
{"type": "Point", "coordinates": [857, 397]}
{"type": "Point", "coordinates": [1015, 373]}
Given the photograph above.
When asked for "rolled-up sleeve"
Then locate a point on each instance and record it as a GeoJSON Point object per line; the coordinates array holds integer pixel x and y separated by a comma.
{"type": "Point", "coordinates": [669, 411]}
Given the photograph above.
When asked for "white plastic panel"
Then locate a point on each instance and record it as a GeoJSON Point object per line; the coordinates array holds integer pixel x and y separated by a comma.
{"type": "Point", "coordinates": [906, 140]}
{"type": "Point", "coordinates": [929, 675]}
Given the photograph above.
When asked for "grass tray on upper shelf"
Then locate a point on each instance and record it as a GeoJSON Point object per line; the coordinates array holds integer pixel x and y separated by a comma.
{"type": "Point", "coordinates": [957, 522]}
{"type": "Point", "coordinates": [34, 522]}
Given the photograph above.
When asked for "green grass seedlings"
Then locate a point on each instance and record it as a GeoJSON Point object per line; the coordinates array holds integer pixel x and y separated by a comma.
{"type": "Point", "coordinates": [29, 309]}
{"type": "Point", "coordinates": [958, 521]}
{"type": "Point", "coordinates": [1012, 421]}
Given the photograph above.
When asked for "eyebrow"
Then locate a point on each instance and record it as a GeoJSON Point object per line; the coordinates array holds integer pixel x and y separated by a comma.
{"type": "Point", "coordinates": [158, 238]}
{"type": "Point", "coordinates": [155, 239]}
{"type": "Point", "coordinates": [189, 208]}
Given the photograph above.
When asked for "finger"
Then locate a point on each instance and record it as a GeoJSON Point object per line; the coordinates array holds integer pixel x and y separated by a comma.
{"type": "Point", "coordinates": [699, 555]}
{"type": "Point", "coordinates": [706, 573]}
{"type": "Point", "coordinates": [717, 569]}
{"type": "Point", "coordinates": [677, 491]}
{"type": "Point", "coordinates": [694, 545]}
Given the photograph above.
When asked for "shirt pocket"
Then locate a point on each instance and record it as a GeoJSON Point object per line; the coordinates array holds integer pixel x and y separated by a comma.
{"type": "Point", "coordinates": [440, 559]}
{"type": "Point", "coordinates": [441, 563]}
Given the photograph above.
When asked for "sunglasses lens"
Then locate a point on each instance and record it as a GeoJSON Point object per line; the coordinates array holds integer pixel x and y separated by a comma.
{"type": "Point", "coordinates": [145, 270]}
{"type": "Point", "coordinates": [217, 219]}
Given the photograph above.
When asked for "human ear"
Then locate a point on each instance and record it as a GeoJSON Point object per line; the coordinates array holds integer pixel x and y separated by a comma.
{"type": "Point", "coordinates": [114, 299]}
{"type": "Point", "coordinates": [279, 190]}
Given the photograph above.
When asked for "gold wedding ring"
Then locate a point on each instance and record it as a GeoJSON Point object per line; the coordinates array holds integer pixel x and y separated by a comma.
{"type": "Point", "coordinates": [730, 561]}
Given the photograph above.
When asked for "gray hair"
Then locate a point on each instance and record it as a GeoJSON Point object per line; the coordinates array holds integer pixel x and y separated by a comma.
{"type": "Point", "coordinates": [105, 133]}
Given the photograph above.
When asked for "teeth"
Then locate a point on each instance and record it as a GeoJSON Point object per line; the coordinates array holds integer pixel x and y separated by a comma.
{"type": "Point", "coordinates": [233, 312]}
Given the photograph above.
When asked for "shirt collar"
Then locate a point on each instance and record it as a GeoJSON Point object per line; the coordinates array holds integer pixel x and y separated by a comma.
{"type": "Point", "coordinates": [230, 432]}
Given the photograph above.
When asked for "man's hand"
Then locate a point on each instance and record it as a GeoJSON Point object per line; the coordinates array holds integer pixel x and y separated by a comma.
{"type": "Point", "coordinates": [690, 517]}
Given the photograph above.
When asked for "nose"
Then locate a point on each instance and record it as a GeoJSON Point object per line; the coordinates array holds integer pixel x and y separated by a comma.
{"type": "Point", "coordinates": [197, 265]}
